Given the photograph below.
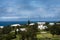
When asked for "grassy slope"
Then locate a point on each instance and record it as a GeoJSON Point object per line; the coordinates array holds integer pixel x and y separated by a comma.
{"type": "Point", "coordinates": [45, 35]}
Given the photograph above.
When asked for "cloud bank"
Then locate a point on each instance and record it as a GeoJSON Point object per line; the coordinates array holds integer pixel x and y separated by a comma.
{"type": "Point", "coordinates": [44, 10]}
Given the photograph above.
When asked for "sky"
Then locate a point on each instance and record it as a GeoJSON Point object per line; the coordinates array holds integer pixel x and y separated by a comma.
{"type": "Point", "coordinates": [35, 10]}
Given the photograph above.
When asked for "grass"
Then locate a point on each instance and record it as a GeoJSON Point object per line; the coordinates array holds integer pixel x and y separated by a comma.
{"type": "Point", "coordinates": [17, 37]}
{"type": "Point", "coordinates": [44, 35]}
{"type": "Point", "coordinates": [40, 36]}
{"type": "Point", "coordinates": [47, 36]}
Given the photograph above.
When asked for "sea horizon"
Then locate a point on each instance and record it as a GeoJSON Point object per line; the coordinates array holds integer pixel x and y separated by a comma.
{"type": "Point", "coordinates": [5, 23]}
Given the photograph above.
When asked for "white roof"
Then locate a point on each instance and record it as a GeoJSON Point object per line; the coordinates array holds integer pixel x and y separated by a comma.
{"type": "Point", "coordinates": [42, 27]}
{"type": "Point", "coordinates": [51, 23]}
{"type": "Point", "coordinates": [23, 29]}
{"type": "Point", "coordinates": [16, 25]}
{"type": "Point", "coordinates": [1, 26]}
{"type": "Point", "coordinates": [41, 22]}
{"type": "Point", "coordinates": [32, 24]}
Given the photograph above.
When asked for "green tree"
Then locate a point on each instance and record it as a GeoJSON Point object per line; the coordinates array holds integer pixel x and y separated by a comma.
{"type": "Point", "coordinates": [33, 31]}
{"type": "Point", "coordinates": [1, 31]}
{"type": "Point", "coordinates": [29, 22]}
{"type": "Point", "coordinates": [6, 29]}
{"type": "Point", "coordinates": [48, 26]}
{"type": "Point", "coordinates": [47, 23]}
{"type": "Point", "coordinates": [55, 29]}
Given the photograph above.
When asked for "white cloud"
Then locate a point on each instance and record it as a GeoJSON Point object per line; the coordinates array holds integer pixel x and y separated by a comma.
{"type": "Point", "coordinates": [44, 10]}
{"type": "Point", "coordinates": [13, 18]}
{"type": "Point", "coordinates": [9, 17]}
{"type": "Point", "coordinates": [45, 13]}
{"type": "Point", "coordinates": [37, 4]}
{"type": "Point", "coordinates": [14, 11]}
{"type": "Point", "coordinates": [9, 9]}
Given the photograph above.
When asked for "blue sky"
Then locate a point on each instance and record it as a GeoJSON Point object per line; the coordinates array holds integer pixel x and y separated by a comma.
{"type": "Point", "coordinates": [35, 10]}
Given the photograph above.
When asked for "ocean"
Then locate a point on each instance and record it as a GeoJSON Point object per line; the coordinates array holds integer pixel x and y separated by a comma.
{"type": "Point", "coordinates": [5, 23]}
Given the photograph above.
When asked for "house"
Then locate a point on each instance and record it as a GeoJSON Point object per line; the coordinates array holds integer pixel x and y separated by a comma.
{"type": "Point", "coordinates": [15, 25]}
{"type": "Point", "coordinates": [23, 29]}
{"type": "Point", "coordinates": [32, 24]}
{"type": "Point", "coordinates": [41, 25]}
{"type": "Point", "coordinates": [51, 24]}
{"type": "Point", "coordinates": [1, 26]}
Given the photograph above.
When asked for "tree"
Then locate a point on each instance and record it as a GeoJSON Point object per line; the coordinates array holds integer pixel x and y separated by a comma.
{"type": "Point", "coordinates": [48, 26]}
{"type": "Point", "coordinates": [55, 29]}
{"type": "Point", "coordinates": [29, 22]}
{"type": "Point", "coordinates": [23, 33]}
{"type": "Point", "coordinates": [33, 31]}
{"type": "Point", "coordinates": [6, 29]}
{"type": "Point", "coordinates": [1, 31]}
{"type": "Point", "coordinates": [47, 23]}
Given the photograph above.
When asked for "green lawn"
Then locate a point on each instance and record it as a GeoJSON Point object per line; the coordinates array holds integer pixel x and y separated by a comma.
{"type": "Point", "coordinates": [18, 37]}
{"type": "Point", "coordinates": [47, 36]}
{"type": "Point", "coordinates": [44, 36]}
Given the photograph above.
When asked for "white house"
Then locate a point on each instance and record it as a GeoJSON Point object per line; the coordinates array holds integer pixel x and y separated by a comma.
{"type": "Point", "coordinates": [32, 24]}
{"type": "Point", "coordinates": [51, 24]}
{"type": "Point", "coordinates": [1, 26]}
{"type": "Point", "coordinates": [16, 25]}
{"type": "Point", "coordinates": [23, 29]}
{"type": "Point", "coordinates": [41, 25]}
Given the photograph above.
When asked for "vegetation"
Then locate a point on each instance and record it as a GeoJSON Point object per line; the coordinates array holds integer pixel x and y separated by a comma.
{"type": "Point", "coordinates": [6, 30]}
{"type": "Point", "coordinates": [55, 29]}
{"type": "Point", "coordinates": [31, 32]}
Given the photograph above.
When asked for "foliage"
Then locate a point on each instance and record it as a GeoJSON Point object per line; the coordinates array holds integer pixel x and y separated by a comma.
{"type": "Point", "coordinates": [8, 36]}
{"type": "Point", "coordinates": [47, 23]}
{"type": "Point", "coordinates": [6, 29]}
{"type": "Point", "coordinates": [55, 29]}
{"type": "Point", "coordinates": [29, 22]}
{"type": "Point", "coordinates": [1, 31]}
{"type": "Point", "coordinates": [32, 31]}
